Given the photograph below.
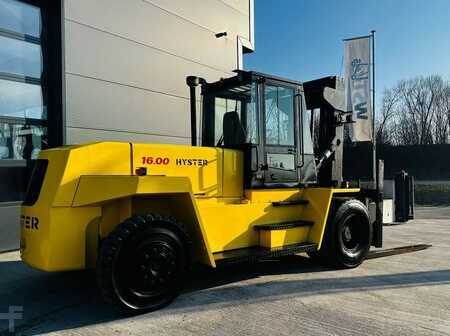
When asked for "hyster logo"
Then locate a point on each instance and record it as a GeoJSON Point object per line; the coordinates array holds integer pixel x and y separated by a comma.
{"type": "Point", "coordinates": [30, 222]}
{"type": "Point", "coordinates": [191, 162]}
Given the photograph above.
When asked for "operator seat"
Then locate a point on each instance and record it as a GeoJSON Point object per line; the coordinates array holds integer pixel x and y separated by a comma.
{"type": "Point", "coordinates": [233, 131]}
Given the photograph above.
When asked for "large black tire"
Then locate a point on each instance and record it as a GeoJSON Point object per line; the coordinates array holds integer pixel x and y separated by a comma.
{"type": "Point", "coordinates": [348, 236]}
{"type": "Point", "coordinates": [142, 264]}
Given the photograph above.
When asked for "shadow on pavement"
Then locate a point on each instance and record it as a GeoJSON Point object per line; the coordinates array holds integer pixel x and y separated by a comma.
{"type": "Point", "coordinates": [61, 301]}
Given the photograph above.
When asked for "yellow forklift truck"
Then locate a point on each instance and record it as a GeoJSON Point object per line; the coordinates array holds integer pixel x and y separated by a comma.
{"type": "Point", "coordinates": [142, 214]}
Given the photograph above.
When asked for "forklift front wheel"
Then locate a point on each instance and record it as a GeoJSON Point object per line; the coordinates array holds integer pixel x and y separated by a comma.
{"type": "Point", "coordinates": [348, 236]}
{"type": "Point", "coordinates": [143, 262]}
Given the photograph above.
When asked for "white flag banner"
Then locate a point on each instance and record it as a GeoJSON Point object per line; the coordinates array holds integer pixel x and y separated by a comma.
{"type": "Point", "coordinates": [357, 87]}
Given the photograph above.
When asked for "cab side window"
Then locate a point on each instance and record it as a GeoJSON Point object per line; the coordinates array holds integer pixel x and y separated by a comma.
{"type": "Point", "coordinates": [252, 116]}
{"type": "Point", "coordinates": [223, 106]}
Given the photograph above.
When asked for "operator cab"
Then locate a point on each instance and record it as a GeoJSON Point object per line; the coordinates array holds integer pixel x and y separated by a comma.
{"type": "Point", "coordinates": [265, 117]}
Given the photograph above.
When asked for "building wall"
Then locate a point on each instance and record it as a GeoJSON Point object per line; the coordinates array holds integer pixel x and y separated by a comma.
{"type": "Point", "coordinates": [124, 68]}
{"type": "Point", "coordinates": [126, 63]}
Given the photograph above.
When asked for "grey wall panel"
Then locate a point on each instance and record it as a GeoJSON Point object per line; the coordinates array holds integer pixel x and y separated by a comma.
{"type": "Point", "coordinates": [97, 54]}
{"type": "Point", "coordinates": [9, 227]}
{"type": "Point", "coordinates": [145, 23]}
{"type": "Point", "coordinates": [126, 64]}
{"type": "Point", "coordinates": [80, 135]}
{"type": "Point", "coordinates": [240, 5]}
{"type": "Point", "coordinates": [128, 109]}
{"type": "Point", "coordinates": [216, 15]}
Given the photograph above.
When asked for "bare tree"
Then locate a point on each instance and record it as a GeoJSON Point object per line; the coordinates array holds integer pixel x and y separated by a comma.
{"type": "Point", "coordinates": [384, 125]}
{"type": "Point", "coordinates": [416, 112]}
{"type": "Point", "coordinates": [441, 127]}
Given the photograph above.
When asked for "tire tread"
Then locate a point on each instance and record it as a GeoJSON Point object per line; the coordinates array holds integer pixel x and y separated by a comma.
{"type": "Point", "coordinates": [110, 247]}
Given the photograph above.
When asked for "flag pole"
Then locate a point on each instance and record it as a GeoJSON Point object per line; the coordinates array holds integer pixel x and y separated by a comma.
{"type": "Point", "coordinates": [374, 138]}
{"type": "Point", "coordinates": [376, 168]}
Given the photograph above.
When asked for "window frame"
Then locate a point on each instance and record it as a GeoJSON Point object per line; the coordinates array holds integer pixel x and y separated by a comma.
{"type": "Point", "coordinates": [208, 109]}
{"type": "Point", "coordinates": [239, 108]}
{"type": "Point", "coordinates": [280, 148]}
{"type": "Point", "coordinates": [262, 114]}
{"type": "Point", "coordinates": [51, 81]}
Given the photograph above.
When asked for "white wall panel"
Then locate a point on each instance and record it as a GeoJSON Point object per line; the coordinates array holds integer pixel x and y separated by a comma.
{"type": "Point", "coordinates": [145, 23]}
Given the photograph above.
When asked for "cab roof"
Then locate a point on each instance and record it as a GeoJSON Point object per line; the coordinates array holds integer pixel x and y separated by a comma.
{"type": "Point", "coordinates": [245, 78]}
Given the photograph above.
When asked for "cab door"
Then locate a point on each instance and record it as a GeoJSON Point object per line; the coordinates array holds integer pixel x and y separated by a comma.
{"type": "Point", "coordinates": [280, 133]}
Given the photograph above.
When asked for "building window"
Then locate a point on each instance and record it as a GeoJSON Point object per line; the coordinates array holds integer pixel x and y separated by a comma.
{"type": "Point", "coordinates": [23, 110]}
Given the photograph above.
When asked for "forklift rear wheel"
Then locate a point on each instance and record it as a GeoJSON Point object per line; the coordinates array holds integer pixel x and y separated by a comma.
{"type": "Point", "coordinates": [142, 264]}
{"type": "Point", "coordinates": [348, 236]}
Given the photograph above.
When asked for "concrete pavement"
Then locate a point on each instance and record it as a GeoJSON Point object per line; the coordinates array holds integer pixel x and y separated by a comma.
{"type": "Point", "coordinates": [406, 294]}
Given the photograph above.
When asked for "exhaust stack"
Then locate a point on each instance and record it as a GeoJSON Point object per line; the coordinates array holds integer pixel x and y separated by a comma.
{"type": "Point", "coordinates": [193, 82]}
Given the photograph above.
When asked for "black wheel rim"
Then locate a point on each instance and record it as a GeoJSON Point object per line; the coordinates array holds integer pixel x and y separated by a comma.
{"type": "Point", "coordinates": [353, 237]}
{"type": "Point", "coordinates": [147, 273]}
{"type": "Point", "coordinates": [152, 271]}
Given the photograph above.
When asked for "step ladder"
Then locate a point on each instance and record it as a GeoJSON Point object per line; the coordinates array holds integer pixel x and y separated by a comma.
{"type": "Point", "coordinates": [257, 253]}
{"type": "Point", "coordinates": [275, 240]}
{"type": "Point", "coordinates": [282, 234]}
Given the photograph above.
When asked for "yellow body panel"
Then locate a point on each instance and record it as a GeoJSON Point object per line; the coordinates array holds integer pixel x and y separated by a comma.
{"type": "Point", "coordinates": [60, 242]}
{"type": "Point", "coordinates": [88, 190]}
{"type": "Point", "coordinates": [108, 158]}
{"type": "Point", "coordinates": [273, 195]}
{"type": "Point", "coordinates": [230, 223]}
{"type": "Point", "coordinates": [97, 189]}
{"type": "Point", "coordinates": [278, 238]}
